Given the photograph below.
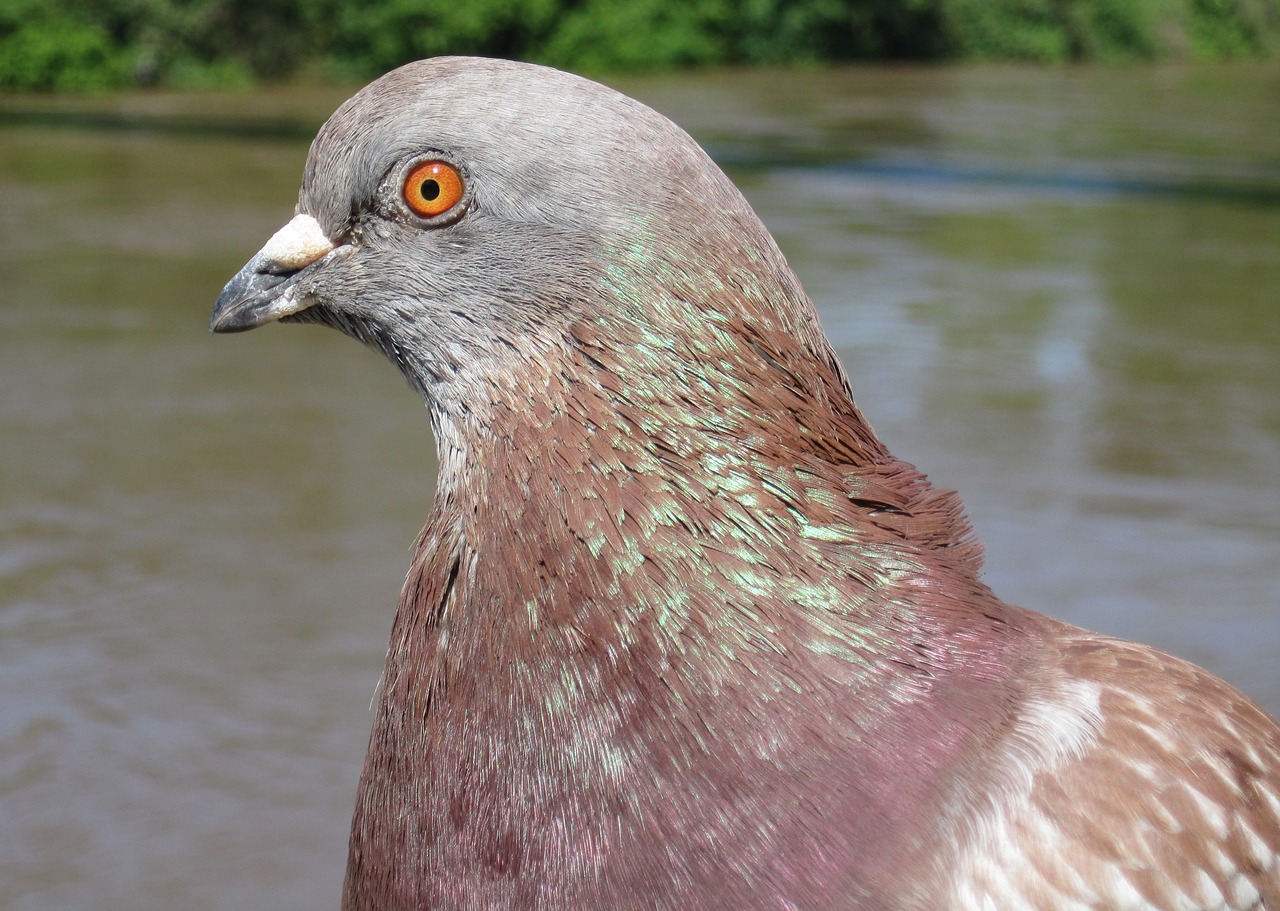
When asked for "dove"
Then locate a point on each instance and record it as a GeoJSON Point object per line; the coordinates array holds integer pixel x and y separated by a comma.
{"type": "Point", "coordinates": [680, 631]}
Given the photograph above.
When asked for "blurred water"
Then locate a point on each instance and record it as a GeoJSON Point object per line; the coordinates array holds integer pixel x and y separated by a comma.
{"type": "Point", "coordinates": [1055, 291]}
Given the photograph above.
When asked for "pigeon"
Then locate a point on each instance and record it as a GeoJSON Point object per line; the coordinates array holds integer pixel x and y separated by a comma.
{"type": "Point", "coordinates": [680, 632]}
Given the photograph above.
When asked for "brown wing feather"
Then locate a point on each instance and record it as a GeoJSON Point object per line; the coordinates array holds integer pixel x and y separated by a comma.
{"type": "Point", "coordinates": [1172, 802]}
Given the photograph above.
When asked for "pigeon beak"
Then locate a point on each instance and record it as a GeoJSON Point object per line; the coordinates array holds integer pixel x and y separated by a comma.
{"type": "Point", "coordinates": [262, 292]}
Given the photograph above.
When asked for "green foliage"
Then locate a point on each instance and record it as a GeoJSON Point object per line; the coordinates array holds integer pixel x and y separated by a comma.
{"type": "Point", "coordinates": [372, 37]}
{"type": "Point", "coordinates": [43, 48]}
{"type": "Point", "coordinates": [605, 34]}
{"type": "Point", "coordinates": [1224, 29]}
{"type": "Point", "coordinates": [779, 31]}
{"type": "Point", "coordinates": [1004, 29]}
{"type": "Point", "coordinates": [78, 45]}
{"type": "Point", "coordinates": [73, 45]}
{"type": "Point", "coordinates": [1060, 30]}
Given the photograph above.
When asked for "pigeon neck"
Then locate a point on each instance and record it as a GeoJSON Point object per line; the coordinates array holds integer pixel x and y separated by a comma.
{"type": "Point", "coordinates": [607, 458]}
{"type": "Point", "coordinates": [631, 576]}
{"type": "Point", "coordinates": [608, 597]}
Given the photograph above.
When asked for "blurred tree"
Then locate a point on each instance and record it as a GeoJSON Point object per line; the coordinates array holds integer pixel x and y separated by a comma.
{"type": "Point", "coordinates": [45, 45]}
{"type": "Point", "coordinates": [69, 45]}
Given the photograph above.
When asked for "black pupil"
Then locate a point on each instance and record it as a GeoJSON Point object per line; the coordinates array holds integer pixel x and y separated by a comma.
{"type": "Point", "coordinates": [430, 189]}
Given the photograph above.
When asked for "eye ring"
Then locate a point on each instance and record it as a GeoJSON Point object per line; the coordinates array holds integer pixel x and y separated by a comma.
{"type": "Point", "coordinates": [432, 187]}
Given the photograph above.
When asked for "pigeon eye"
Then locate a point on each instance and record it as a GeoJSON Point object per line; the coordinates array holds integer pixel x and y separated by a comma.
{"type": "Point", "coordinates": [432, 188]}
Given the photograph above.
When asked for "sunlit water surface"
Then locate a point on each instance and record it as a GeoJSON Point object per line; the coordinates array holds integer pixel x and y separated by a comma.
{"type": "Point", "coordinates": [1058, 291]}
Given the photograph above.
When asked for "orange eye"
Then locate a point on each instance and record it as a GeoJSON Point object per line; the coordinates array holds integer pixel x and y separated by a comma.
{"type": "Point", "coordinates": [432, 188]}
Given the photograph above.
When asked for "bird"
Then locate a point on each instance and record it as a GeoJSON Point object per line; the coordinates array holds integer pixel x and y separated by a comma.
{"type": "Point", "coordinates": [680, 632]}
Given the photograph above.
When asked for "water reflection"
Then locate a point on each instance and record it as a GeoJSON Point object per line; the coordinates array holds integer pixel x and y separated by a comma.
{"type": "Point", "coordinates": [201, 540]}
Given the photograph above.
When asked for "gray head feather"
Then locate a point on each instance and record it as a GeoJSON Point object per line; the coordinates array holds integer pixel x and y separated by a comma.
{"type": "Point", "coordinates": [580, 203]}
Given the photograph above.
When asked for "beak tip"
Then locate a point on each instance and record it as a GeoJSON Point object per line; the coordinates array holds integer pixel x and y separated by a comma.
{"type": "Point", "coordinates": [220, 324]}
{"type": "Point", "coordinates": [249, 300]}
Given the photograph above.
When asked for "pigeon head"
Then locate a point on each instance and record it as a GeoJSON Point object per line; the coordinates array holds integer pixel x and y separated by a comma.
{"type": "Point", "coordinates": [465, 215]}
